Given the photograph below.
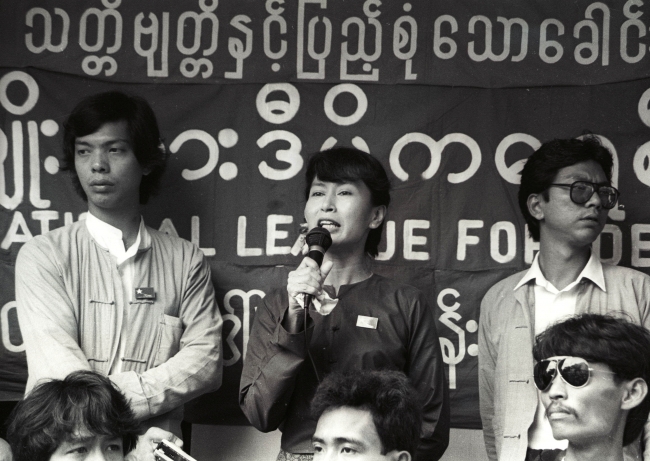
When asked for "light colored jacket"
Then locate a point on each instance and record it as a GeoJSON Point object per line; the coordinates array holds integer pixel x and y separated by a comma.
{"type": "Point", "coordinates": [508, 396]}
{"type": "Point", "coordinates": [66, 290]}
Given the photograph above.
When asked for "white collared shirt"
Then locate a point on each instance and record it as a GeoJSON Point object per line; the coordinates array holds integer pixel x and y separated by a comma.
{"type": "Point", "coordinates": [551, 306]}
{"type": "Point", "coordinates": [110, 237]}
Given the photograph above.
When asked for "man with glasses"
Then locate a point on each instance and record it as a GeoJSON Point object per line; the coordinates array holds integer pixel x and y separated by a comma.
{"type": "Point", "coordinates": [565, 196]}
{"type": "Point", "coordinates": [592, 372]}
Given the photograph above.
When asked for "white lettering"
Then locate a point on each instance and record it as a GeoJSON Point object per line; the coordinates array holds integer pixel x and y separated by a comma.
{"type": "Point", "coordinates": [241, 240]}
{"type": "Point", "coordinates": [411, 240]}
{"type": "Point", "coordinates": [17, 224]}
{"type": "Point", "coordinates": [439, 40]}
{"type": "Point", "coordinates": [32, 92]}
{"type": "Point", "coordinates": [45, 216]}
{"type": "Point", "coordinates": [512, 173]}
{"type": "Point", "coordinates": [545, 44]}
{"type": "Point", "coordinates": [511, 241]}
{"type": "Point", "coordinates": [273, 234]}
{"type": "Point", "coordinates": [167, 226]}
{"type": "Point", "coordinates": [245, 296]}
{"type": "Point", "coordinates": [644, 107]}
{"type": "Point", "coordinates": [291, 156]}
{"type": "Point", "coordinates": [5, 333]}
{"type": "Point", "coordinates": [464, 239]}
{"type": "Point", "coordinates": [354, 90]}
{"type": "Point", "coordinates": [435, 150]}
{"type": "Point", "coordinates": [195, 225]}
{"type": "Point", "coordinates": [311, 40]}
{"type": "Point", "coordinates": [389, 232]}
{"type": "Point", "coordinates": [17, 144]}
{"type": "Point", "coordinates": [278, 111]}
{"type": "Point", "coordinates": [639, 245]}
{"type": "Point", "coordinates": [213, 152]}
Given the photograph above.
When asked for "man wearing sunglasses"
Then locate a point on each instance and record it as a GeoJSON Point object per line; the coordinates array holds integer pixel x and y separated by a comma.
{"type": "Point", "coordinates": [592, 373]}
{"type": "Point", "coordinates": [565, 196]}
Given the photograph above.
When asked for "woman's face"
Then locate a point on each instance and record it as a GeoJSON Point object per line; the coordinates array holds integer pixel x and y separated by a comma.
{"type": "Point", "coordinates": [345, 209]}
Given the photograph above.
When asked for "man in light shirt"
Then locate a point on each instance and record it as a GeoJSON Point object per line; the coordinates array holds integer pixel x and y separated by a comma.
{"type": "Point", "coordinates": [565, 196]}
{"type": "Point", "coordinates": [110, 294]}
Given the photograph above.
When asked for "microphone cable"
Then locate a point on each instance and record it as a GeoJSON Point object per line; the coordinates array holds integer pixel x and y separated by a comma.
{"type": "Point", "coordinates": [313, 363]}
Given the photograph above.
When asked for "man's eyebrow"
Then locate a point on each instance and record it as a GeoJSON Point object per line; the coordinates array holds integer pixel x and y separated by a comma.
{"type": "Point", "coordinates": [358, 442]}
{"type": "Point", "coordinates": [107, 143]}
{"type": "Point", "coordinates": [584, 177]}
{"type": "Point", "coordinates": [79, 439]}
{"type": "Point", "coordinates": [340, 440]}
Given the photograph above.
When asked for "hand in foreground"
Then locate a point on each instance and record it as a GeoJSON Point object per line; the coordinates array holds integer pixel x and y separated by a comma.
{"type": "Point", "coordinates": [5, 451]}
{"type": "Point", "coordinates": [147, 444]}
{"type": "Point", "coordinates": [307, 278]}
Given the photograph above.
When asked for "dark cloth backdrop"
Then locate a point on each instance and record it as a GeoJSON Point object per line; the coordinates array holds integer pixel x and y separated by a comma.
{"type": "Point", "coordinates": [450, 96]}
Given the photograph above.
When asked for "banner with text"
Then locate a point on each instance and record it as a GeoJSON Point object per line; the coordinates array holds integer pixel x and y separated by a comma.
{"type": "Point", "coordinates": [450, 96]}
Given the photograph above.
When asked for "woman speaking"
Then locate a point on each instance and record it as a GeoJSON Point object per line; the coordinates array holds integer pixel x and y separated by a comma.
{"type": "Point", "coordinates": [357, 320]}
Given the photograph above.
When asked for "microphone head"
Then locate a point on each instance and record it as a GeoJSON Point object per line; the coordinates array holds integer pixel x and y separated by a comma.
{"type": "Point", "coordinates": [319, 237]}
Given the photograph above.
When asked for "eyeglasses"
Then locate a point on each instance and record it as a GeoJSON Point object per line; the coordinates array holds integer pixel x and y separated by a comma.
{"type": "Point", "coordinates": [581, 192]}
{"type": "Point", "coordinates": [575, 371]}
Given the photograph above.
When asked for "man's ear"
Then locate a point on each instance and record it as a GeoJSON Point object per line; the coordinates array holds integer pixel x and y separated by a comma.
{"type": "Point", "coordinates": [634, 393]}
{"type": "Point", "coordinates": [399, 456]}
{"type": "Point", "coordinates": [146, 170]}
{"type": "Point", "coordinates": [534, 206]}
{"type": "Point", "coordinates": [379, 212]}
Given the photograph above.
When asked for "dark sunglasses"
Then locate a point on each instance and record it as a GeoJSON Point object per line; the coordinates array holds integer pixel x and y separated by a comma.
{"type": "Point", "coordinates": [575, 371]}
{"type": "Point", "coordinates": [581, 192]}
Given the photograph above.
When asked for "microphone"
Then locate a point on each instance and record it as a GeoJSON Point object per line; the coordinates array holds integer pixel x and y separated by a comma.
{"type": "Point", "coordinates": [318, 240]}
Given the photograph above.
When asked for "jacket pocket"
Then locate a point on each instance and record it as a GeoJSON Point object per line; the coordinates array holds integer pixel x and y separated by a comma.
{"type": "Point", "coordinates": [170, 332]}
{"type": "Point", "coordinates": [97, 332]}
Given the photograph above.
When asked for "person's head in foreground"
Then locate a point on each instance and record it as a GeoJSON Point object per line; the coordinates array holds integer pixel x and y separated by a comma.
{"type": "Point", "coordinates": [81, 417]}
{"type": "Point", "coordinates": [113, 150]}
{"type": "Point", "coordinates": [347, 193]}
{"type": "Point", "coordinates": [566, 191]}
{"type": "Point", "coordinates": [371, 415]}
{"type": "Point", "coordinates": [592, 371]}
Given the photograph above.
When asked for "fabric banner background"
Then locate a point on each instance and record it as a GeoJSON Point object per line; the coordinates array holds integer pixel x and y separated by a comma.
{"type": "Point", "coordinates": [450, 121]}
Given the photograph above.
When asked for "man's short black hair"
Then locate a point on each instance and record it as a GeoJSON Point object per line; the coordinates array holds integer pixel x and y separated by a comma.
{"type": "Point", "coordinates": [541, 168]}
{"type": "Point", "coordinates": [55, 410]}
{"type": "Point", "coordinates": [341, 164]}
{"type": "Point", "coordinates": [387, 395]}
{"type": "Point", "coordinates": [113, 106]}
{"type": "Point", "coordinates": [621, 345]}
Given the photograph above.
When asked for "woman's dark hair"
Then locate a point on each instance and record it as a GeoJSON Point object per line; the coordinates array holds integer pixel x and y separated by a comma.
{"type": "Point", "coordinates": [387, 395]}
{"type": "Point", "coordinates": [113, 106]}
{"type": "Point", "coordinates": [621, 345]}
{"type": "Point", "coordinates": [55, 410]}
{"type": "Point", "coordinates": [541, 168]}
{"type": "Point", "coordinates": [341, 164]}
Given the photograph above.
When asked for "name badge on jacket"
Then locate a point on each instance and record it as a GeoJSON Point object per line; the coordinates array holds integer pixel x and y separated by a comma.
{"type": "Point", "coordinates": [145, 293]}
{"type": "Point", "coordinates": [367, 322]}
